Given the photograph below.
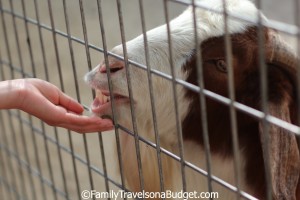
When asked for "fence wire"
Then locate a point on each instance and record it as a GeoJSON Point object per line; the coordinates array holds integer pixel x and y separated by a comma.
{"type": "Point", "coordinates": [59, 41]}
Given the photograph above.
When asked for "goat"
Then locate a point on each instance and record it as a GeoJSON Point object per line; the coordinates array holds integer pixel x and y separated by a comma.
{"type": "Point", "coordinates": [282, 103]}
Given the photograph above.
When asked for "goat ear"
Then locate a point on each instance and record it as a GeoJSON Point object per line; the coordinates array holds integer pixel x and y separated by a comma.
{"type": "Point", "coordinates": [283, 151]}
{"type": "Point", "coordinates": [283, 155]}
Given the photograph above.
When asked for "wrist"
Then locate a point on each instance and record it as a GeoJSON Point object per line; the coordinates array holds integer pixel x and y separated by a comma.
{"type": "Point", "coordinates": [12, 93]}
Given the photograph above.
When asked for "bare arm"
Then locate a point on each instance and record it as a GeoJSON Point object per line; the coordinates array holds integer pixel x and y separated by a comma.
{"type": "Point", "coordinates": [47, 102]}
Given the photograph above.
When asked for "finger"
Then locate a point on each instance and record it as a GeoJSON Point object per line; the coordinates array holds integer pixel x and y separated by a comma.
{"type": "Point", "coordinates": [56, 96]}
{"type": "Point", "coordinates": [82, 124]}
{"type": "Point", "coordinates": [82, 120]}
{"type": "Point", "coordinates": [86, 129]}
{"type": "Point", "coordinates": [70, 103]}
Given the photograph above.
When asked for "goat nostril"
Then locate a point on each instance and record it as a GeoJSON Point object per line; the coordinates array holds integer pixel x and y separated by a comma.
{"type": "Point", "coordinates": [102, 69]}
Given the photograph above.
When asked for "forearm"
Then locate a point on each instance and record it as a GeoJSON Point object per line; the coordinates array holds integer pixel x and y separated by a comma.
{"type": "Point", "coordinates": [10, 92]}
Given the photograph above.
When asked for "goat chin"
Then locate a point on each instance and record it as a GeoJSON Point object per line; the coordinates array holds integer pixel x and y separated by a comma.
{"type": "Point", "coordinates": [185, 115]}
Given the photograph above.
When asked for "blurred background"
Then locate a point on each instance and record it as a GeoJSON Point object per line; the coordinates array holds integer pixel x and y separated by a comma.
{"type": "Point", "coordinates": [38, 161]}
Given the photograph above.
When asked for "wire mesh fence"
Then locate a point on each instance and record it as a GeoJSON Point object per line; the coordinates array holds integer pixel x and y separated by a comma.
{"type": "Point", "coordinates": [60, 41]}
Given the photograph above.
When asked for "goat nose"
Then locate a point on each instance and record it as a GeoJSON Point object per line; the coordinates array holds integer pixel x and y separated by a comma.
{"type": "Point", "coordinates": [113, 67]}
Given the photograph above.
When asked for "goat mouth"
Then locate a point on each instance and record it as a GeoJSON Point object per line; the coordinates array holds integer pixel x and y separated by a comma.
{"type": "Point", "coordinates": [102, 102]}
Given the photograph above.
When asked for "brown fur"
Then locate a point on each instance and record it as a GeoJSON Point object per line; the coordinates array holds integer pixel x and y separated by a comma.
{"type": "Point", "coordinates": [281, 95]}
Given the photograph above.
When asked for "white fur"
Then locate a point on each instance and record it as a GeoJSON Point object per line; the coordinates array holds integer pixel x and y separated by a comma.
{"type": "Point", "coordinates": [209, 24]}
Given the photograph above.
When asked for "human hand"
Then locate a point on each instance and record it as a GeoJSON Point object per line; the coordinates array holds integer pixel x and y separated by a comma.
{"type": "Point", "coordinates": [47, 102]}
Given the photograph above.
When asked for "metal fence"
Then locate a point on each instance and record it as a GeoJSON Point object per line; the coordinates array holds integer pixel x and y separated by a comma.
{"type": "Point", "coordinates": [59, 41]}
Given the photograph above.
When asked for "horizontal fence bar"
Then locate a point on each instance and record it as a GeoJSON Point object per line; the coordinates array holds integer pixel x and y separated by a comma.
{"type": "Point", "coordinates": [188, 164]}
{"type": "Point", "coordinates": [16, 69]}
{"type": "Point", "coordinates": [67, 150]}
{"type": "Point", "coordinates": [224, 100]}
{"type": "Point", "coordinates": [282, 27]}
{"type": "Point", "coordinates": [10, 187]}
{"type": "Point", "coordinates": [166, 152]}
{"type": "Point", "coordinates": [273, 24]}
{"type": "Point", "coordinates": [33, 171]}
{"type": "Point", "coordinates": [289, 29]}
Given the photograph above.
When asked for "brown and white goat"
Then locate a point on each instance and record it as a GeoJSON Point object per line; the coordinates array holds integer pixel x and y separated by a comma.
{"type": "Point", "coordinates": [281, 67]}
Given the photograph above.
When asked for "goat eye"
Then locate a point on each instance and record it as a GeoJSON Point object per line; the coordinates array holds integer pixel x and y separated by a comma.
{"type": "Point", "coordinates": [221, 65]}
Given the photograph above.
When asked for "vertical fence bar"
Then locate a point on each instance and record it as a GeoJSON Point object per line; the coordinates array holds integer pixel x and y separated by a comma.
{"type": "Point", "coordinates": [16, 36]}
{"type": "Point", "coordinates": [15, 146]}
{"type": "Point", "coordinates": [37, 160]}
{"type": "Point", "coordinates": [3, 171]}
{"type": "Point", "coordinates": [103, 163]}
{"type": "Point", "coordinates": [178, 122]}
{"type": "Point", "coordinates": [10, 165]}
{"type": "Point", "coordinates": [61, 163]}
{"type": "Point", "coordinates": [1, 177]}
{"type": "Point", "coordinates": [49, 163]}
{"type": "Point", "coordinates": [263, 78]}
{"type": "Point", "coordinates": [202, 100]}
{"type": "Point", "coordinates": [47, 79]}
{"type": "Point", "coordinates": [2, 125]}
{"type": "Point", "coordinates": [1, 183]}
{"type": "Point", "coordinates": [9, 171]}
{"type": "Point", "coordinates": [297, 23]}
{"type": "Point", "coordinates": [77, 91]}
{"type": "Point", "coordinates": [264, 95]}
{"type": "Point", "coordinates": [128, 77]}
{"type": "Point", "coordinates": [76, 85]}
{"type": "Point", "coordinates": [28, 37]}
{"type": "Point", "coordinates": [117, 136]}
{"type": "Point", "coordinates": [63, 89]}
{"type": "Point", "coordinates": [42, 124]}
{"type": "Point", "coordinates": [36, 152]}
{"type": "Point", "coordinates": [25, 149]}
{"type": "Point", "coordinates": [40, 37]}
{"type": "Point", "coordinates": [152, 100]}
{"type": "Point", "coordinates": [5, 37]}
{"type": "Point", "coordinates": [19, 56]}
{"type": "Point", "coordinates": [110, 88]}
{"type": "Point", "coordinates": [231, 89]}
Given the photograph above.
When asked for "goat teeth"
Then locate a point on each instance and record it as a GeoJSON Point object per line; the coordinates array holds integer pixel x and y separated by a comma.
{"type": "Point", "coordinates": [98, 93]}
{"type": "Point", "coordinates": [102, 98]}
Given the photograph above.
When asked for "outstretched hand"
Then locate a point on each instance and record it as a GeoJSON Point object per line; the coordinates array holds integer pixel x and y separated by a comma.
{"type": "Point", "coordinates": [47, 102]}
